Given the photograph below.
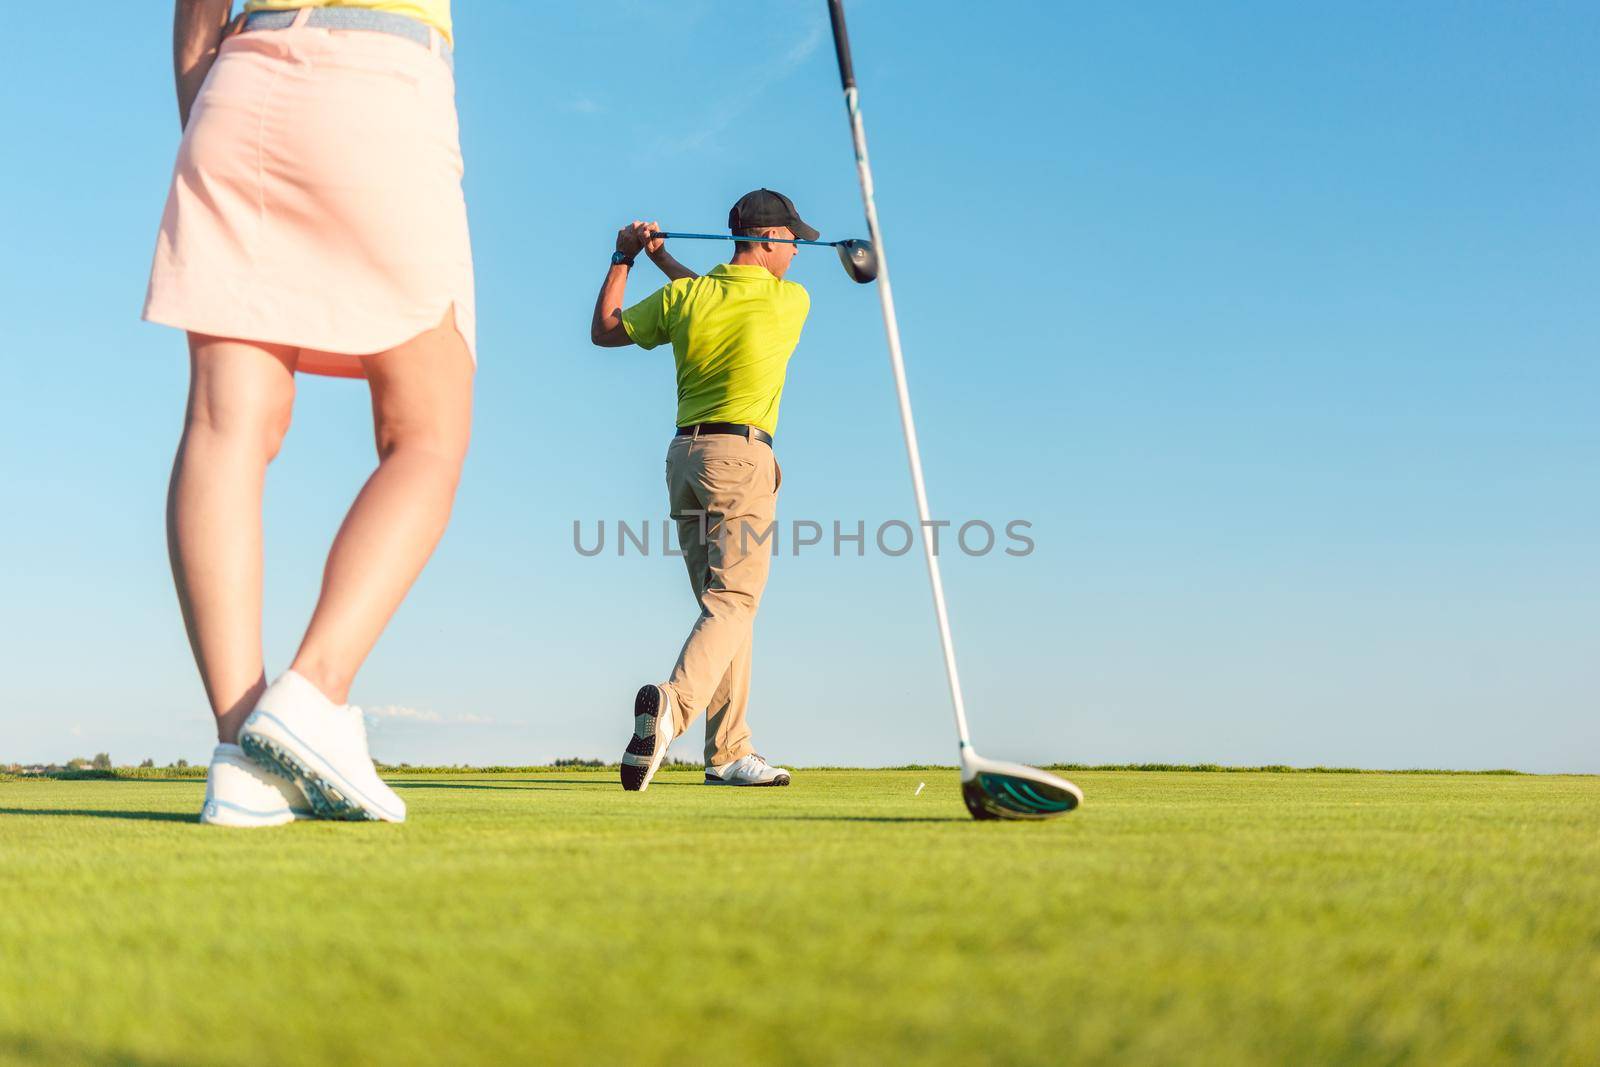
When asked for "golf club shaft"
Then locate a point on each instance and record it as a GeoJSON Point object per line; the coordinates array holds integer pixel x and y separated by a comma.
{"type": "Point", "coordinates": [731, 237]}
{"type": "Point", "coordinates": [891, 325]}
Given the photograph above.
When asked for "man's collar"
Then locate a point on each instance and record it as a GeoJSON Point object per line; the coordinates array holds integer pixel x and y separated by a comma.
{"type": "Point", "coordinates": [742, 270]}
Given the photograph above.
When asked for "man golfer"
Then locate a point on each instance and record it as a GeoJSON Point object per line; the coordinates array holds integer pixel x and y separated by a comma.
{"type": "Point", "coordinates": [732, 332]}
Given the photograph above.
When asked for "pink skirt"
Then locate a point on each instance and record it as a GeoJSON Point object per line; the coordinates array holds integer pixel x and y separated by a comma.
{"type": "Point", "coordinates": [316, 201]}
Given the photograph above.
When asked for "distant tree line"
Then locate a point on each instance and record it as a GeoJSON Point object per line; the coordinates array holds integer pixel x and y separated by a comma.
{"type": "Point", "coordinates": [100, 764]}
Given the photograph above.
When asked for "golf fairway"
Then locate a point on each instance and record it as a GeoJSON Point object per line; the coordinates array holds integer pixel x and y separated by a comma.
{"type": "Point", "coordinates": [549, 917]}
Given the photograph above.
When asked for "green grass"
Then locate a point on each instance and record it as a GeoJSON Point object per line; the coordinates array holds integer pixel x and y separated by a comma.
{"type": "Point", "coordinates": [551, 918]}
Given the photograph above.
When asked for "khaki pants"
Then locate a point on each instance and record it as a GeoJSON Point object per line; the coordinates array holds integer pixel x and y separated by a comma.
{"type": "Point", "coordinates": [724, 495]}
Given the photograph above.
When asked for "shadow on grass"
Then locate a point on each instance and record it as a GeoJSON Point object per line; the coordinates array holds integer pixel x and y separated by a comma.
{"type": "Point", "coordinates": [92, 813]}
{"type": "Point", "coordinates": [609, 784]}
{"type": "Point", "coordinates": [31, 1050]}
{"type": "Point", "coordinates": [764, 817]}
{"type": "Point", "coordinates": [507, 788]}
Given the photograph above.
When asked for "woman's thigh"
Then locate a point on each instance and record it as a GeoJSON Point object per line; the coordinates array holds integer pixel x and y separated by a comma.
{"type": "Point", "coordinates": [241, 387]}
{"type": "Point", "coordinates": [422, 392]}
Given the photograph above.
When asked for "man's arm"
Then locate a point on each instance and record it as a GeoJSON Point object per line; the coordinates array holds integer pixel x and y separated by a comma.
{"type": "Point", "coordinates": [197, 31]}
{"type": "Point", "coordinates": [606, 328]}
{"type": "Point", "coordinates": [657, 251]}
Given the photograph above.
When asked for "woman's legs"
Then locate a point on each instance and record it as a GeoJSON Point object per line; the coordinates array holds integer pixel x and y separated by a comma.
{"type": "Point", "coordinates": [241, 396]}
{"type": "Point", "coordinates": [422, 416]}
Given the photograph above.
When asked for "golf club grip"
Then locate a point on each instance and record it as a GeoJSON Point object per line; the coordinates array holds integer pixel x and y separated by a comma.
{"type": "Point", "coordinates": [841, 44]}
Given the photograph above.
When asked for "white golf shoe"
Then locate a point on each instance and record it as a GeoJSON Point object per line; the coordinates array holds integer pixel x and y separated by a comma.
{"type": "Point", "coordinates": [746, 770]}
{"type": "Point", "coordinates": [298, 732]}
{"type": "Point", "coordinates": [242, 793]}
{"type": "Point", "coordinates": [652, 736]}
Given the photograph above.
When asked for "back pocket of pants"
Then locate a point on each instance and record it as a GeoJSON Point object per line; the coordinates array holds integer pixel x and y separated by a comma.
{"type": "Point", "coordinates": [721, 473]}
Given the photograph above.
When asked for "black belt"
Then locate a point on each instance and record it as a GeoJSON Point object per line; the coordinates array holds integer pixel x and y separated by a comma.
{"type": "Point", "coordinates": [755, 433]}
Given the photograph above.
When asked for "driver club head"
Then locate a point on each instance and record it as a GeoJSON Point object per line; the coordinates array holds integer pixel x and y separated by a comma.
{"type": "Point", "coordinates": [996, 790]}
{"type": "Point", "coordinates": [860, 260]}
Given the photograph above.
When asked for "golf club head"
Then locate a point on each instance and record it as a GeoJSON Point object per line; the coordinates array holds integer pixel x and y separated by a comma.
{"type": "Point", "coordinates": [996, 790]}
{"type": "Point", "coordinates": [860, 260]}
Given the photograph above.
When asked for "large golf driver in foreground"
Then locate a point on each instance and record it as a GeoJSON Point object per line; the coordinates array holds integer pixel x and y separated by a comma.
{"type": "Point", "coordinates": [992, 790]}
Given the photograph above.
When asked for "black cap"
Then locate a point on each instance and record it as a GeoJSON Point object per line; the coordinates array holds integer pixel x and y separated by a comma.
{"type": "Point", "coordinates": [764, 208]}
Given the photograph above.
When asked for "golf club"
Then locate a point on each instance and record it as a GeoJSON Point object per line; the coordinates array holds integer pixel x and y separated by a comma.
{"type": "Point", "coordinates": [858, 257]}
{"type": "Point", "coordinates": [991, 789]}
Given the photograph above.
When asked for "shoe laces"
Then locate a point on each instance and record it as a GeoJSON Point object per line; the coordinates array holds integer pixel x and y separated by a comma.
{"type": "Point", "coordinates": [756, 761]}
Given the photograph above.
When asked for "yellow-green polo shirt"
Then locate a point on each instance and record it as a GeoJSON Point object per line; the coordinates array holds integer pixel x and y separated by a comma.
{"type": "Point", "coordinates": [732, 330]}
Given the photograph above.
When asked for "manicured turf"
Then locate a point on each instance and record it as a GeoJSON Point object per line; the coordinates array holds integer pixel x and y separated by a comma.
{"type": "Point", "coordinates": [551, 918]}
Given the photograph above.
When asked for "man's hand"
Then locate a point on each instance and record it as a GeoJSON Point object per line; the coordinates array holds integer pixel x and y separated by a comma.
{"type": "Point", "coordinates": [631, 238]}
{"type": "Point", "coordinates": [658, 243]}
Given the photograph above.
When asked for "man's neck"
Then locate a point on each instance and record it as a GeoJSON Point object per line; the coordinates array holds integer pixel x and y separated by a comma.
{"type": "Point", "coordinates": [745, 259]}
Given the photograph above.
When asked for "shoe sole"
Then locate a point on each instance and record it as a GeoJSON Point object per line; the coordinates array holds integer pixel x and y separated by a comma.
{"type": "Point", "coordinates": [646, 704]}
{"type": "Point", "coordinates": [782, 779]}
{"type": "Point", "coordinates": [329, 799]}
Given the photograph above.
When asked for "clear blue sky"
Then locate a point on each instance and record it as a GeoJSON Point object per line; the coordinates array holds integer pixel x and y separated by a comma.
{"type": "Point", "coordinates": [1279, 323]}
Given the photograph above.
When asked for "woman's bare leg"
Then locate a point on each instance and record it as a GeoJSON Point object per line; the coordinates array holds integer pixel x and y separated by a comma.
{"type": "Point", "coordinates": [422, 416]}
{"type": "Point", "coordinates": [241, 396]}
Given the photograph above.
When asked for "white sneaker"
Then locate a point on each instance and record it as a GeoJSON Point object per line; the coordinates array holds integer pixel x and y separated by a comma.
{"type": "Point", "coordinates": [746, 770]}
{"type": "Point", "coordinates": [298, 732]}
{"type": "Point", "coordinates": [652, 736]}
{"type": "Point", "coordinates": [244, 794]}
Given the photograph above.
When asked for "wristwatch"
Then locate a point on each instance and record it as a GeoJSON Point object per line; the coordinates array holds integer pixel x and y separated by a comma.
{"type": "Point", "coordinates": [619, 258]}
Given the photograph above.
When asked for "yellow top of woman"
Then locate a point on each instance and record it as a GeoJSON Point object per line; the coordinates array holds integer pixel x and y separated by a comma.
{"type": "Point", "coordinates": [435, 13]}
